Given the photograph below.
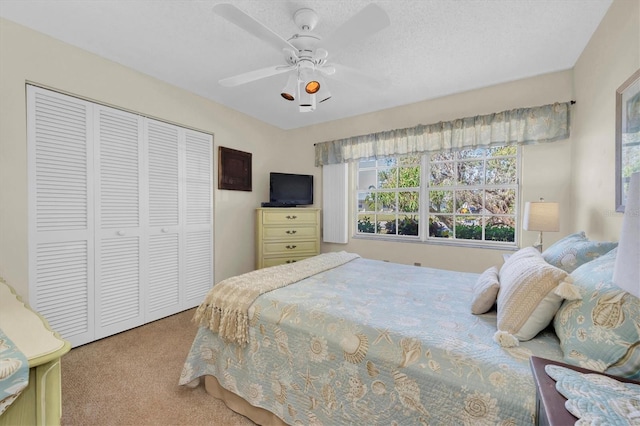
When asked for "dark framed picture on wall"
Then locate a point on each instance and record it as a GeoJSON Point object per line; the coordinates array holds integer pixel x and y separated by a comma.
{"type": "Point", "coordinates": [627, 136]}
{"type": "Point", "coordinates": [234, 169]}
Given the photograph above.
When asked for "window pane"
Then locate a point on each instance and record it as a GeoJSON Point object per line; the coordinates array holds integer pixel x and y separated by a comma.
{"type": "Point", "coordinates": [367, 179]}
{"type": "Point", "coordinates": [500, 229]}
{"type": "Point", "coordinates": [366, 224]}
{"type": "Point", "coordinates": [409, 160]}
{"type": "Point", "coordinates": [409, 177]}
{"type": "Point", "coordinates": [501, 171]}
{"type": "Point", "coordinates": [387, 162]}
{"type": "Point", "coordinates": [441, 201]}
{"type": "Point", "coordinates": [408, 202]}
{"type": "Point", "coordinates": [471, 153]}
{"type": "Point", "coordinates": [408, 225]}
{"type": "Point", "coordinates": [387, 178]}
{"type": "Point", "coordinates": [386, 223]}
{"type": "Point", "coordinates": [387, 201]}
{"type": "Point", "coordinates": [469, 201]}
{"type": "Point", "coordinates": [442, 174]}
{"type": "Point", "coordinates": [440, 226]}
{"type": "Point", "coordinates": [469, 227]}
{"type": "Point", "coordinates": [367, 163]}
{"type": "Point", "coordinates": [501, 201]}
{"type": "Point", "coordinates": [366, 201]}
{"type": "Point", "coordinates": [470, 172]}
{"type": "Point", "coordinates": [442, 156]}
{"type": "Point", "coordinates": [502, 151]}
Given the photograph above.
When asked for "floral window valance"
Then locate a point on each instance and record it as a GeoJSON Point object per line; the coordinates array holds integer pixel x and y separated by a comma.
{"type": "Point", "coordinates": [519, 126]}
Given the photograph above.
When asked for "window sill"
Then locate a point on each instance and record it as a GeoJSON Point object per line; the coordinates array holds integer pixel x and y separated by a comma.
{"type": "Point", "coordinates": [452, 243]}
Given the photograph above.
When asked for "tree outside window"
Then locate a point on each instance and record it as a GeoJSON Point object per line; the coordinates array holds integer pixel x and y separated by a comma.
{"type": "Point", "coordinates": [471, 195]}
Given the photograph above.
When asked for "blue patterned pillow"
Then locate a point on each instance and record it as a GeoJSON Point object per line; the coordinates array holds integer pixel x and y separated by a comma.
{"type": "Point", "coordinates": [603, 329]}
{"type": "Point", "coordinates": [575, 250]}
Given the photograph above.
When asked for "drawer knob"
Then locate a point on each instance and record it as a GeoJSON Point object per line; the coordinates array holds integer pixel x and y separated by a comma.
{"type": "Point", "coordinates": [291, 232]}
{"type": "Point", "coordinates": [291, 261]}
{"type": "Point", "coordinates": [291, 247]}
{"type": "Point", "coordinates": [292, 217]}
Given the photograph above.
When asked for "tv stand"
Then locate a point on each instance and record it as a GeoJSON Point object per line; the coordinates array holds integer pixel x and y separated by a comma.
{"type": "Point", "coordinates": [278, 205]}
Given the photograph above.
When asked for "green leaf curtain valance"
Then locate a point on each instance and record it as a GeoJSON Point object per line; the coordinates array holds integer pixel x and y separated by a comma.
{"type": "Point", "coordinates": [519, 126]}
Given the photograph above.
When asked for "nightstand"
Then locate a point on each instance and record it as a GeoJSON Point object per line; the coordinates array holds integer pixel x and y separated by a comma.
{"type": "Point", "coordinates": [550, 408]}
{"type": "Point", "coordinates": [40, 403]}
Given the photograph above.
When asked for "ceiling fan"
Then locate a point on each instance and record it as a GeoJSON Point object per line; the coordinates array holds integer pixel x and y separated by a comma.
{"type": "Point", "coordinates": [306, 53]}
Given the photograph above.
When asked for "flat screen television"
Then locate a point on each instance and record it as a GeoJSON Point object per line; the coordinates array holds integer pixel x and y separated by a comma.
{"type": "Point", "coordinates": [287, 189]}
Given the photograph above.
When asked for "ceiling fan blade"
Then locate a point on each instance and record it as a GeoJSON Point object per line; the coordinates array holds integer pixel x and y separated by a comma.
{"type": "Point", "coordinates": [353, 76]}
{"type": "Point", "coordinates": [252, 26]}
{"type": "Point", "coordinates": [254, 75]}
{"type": "Point", "coordinates": [367, 22]}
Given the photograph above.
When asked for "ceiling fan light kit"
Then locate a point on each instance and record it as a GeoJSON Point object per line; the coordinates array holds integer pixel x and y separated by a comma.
{"type": "Point", "coordinates": [291, 88]}
{"type": "Point", "coordinates": [305, 53]}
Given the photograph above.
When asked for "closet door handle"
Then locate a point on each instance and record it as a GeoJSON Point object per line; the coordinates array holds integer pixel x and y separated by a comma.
{"type": "Point", "coordinates": [121, 233]}
{"type": "Point", "coordinates": [165, 230]}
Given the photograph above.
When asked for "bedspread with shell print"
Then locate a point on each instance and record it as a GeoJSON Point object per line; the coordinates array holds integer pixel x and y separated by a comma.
{"type": "Point", "coordinates": [375, 343]}
{"type": "Point", "coordinates": [14, 372]}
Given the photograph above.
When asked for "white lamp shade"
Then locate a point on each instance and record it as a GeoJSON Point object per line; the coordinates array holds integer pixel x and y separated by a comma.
{"type": "Point", "coordinates": [541, 216]}
{"type": "Point", "coordinates": [626, 273]}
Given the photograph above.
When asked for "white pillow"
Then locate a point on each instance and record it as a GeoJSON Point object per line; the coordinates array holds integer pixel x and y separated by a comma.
{"type": "Point", "coordinates": [531, 292]}
{"type": "Point", "coordinates": [485, 291]}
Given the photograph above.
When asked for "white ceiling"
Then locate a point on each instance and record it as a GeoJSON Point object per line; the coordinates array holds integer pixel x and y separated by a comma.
{"type": "Point", "coordinates": [432, 48]}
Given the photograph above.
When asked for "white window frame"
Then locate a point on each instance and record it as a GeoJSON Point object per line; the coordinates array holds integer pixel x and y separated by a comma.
{"type": "Point", "coordinates": [423, 231]}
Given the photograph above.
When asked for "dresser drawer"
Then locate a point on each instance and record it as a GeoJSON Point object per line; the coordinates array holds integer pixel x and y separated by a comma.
{"type": "Point", "coordinates": [286, 247]}
{"type": "Point", "coordinates": [287, 233]}
{"type": "Point", "coordinates": [273, 261]}
{"type": "Point", "coordinates": [287, 216]}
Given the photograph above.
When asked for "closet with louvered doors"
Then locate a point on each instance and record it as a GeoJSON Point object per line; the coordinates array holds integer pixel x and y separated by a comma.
{"type": "Point", "coordinates": [120, 216]}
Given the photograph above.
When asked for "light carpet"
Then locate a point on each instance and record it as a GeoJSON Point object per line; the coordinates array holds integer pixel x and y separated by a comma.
{"type": "Point", "coordinates": [132, 379]}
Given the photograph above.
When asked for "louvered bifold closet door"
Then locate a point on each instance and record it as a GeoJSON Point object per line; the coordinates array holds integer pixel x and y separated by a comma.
{"type": "Point", "coordinates": [119, 207]}
{"type": "Point", "coordinates": [199, 217]}
{"type": "Point", "coordinates": [61, 212]}
{"type": "Point", "coordinates": [164, 230]}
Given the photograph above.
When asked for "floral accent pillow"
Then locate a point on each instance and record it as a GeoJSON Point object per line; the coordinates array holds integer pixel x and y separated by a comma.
{"type": "Point", "coordinates": [575, 250]}
{"type": "Point", "coordinates": [602, 331]}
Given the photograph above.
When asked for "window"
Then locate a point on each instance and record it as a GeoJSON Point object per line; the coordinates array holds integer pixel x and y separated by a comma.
{"type": "Point", "coordinates": [389, 196]}
{"type": "Point", "coordinates": [468, 195]}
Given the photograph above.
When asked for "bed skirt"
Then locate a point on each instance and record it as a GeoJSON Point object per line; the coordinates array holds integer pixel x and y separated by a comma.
{"type": "Point", "coordinates": [239, 405]}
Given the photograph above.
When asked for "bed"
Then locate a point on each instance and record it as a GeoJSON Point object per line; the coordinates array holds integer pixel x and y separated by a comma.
{"type": "Point", "coordinates": [372, 342]}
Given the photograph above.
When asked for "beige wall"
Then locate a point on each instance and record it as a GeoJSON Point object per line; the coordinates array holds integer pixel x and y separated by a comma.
{"type": "Point", "coordinates": [610, 58]}
{"type": "Point", "coordinates": [577, 172]}
{"type": "Point", "coordinates": [26, 55]}
{"type": "Point", "coordinates": [546, 168]}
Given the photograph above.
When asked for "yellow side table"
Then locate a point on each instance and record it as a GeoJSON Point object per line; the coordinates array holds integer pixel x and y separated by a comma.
{"type": "Point", "coordinates": [40, 403]}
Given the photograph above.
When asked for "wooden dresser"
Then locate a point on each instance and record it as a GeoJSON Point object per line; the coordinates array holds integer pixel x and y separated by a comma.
{"type": "Point", "coordinates": [40, 403]}
{"type": "Point", "coordinates": [286, 235]}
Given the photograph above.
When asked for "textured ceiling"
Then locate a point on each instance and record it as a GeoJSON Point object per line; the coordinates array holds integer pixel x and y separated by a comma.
{"type": "Point", "coordinates": [431, 49]}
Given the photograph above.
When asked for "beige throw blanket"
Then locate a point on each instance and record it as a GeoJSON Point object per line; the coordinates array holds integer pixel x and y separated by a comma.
{"type": "Point", "coordinates": [225, 309]}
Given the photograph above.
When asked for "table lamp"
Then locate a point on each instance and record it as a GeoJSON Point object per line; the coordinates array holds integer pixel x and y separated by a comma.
{"type": "Point", "coordinates": [542, 217]}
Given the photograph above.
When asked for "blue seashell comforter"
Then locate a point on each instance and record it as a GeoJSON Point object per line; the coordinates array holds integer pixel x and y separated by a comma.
{"type": "Point", "coordinates": [375, 343]}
